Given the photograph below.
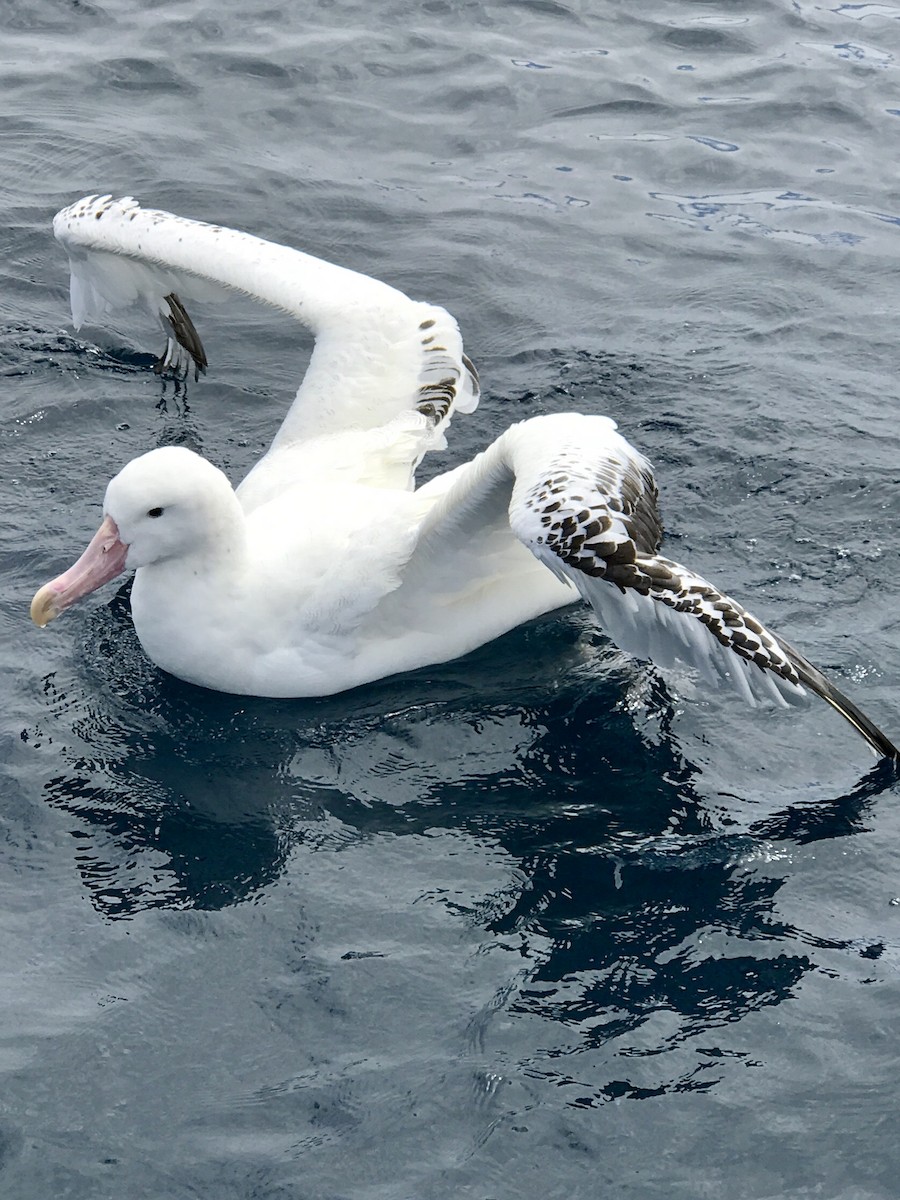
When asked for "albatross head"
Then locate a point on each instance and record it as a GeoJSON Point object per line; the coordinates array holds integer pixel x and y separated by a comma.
{"type": "Point", "coordinates": [167, 504]}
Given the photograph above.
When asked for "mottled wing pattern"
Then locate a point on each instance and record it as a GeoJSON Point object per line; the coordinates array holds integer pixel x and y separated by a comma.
{"type": "Point", "coordinates": [606, 510]}
{"type": "Point", "coordinates": [594, 518]}
{"type": "Point", "coordinates": [448, 380]}
{"type": "Point", "coordinates": [678, 588]}
{"type": "Point", "coordinates": [590, 514]}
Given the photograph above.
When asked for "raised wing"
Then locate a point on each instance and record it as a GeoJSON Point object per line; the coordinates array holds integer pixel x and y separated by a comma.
{"type": "Point", "coordinates": [378, 355]}
{"type": "Point", "coordinates": [584, 502]}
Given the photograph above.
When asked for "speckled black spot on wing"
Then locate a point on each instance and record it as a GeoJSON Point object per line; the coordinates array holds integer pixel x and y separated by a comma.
{"type": "Point", "coordinates": [586, 546]}
{"type": "Point", "coordinates": [435, 399]}
{"type": "Point", "coordinates": [615, 535]}
{"type": "Point", "coordinates": [597, 523]}
{"type": "Point", "coordinates": [609, 509]}
{"type": "Point", "coordinates": [670, 584]}
{"type": "Point", "coordinates": [440, 380]}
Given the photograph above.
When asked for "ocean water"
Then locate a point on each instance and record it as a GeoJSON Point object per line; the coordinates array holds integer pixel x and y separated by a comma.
{"type": "Point", "coordinates": [536, 923]}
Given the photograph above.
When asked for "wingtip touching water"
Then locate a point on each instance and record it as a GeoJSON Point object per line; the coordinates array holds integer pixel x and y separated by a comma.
{"type": "Point", "coordinates": [326, 567]}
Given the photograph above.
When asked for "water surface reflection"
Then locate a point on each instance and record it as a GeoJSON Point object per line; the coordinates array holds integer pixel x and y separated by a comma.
{"type": "Point", "coordinates": [638, 912]}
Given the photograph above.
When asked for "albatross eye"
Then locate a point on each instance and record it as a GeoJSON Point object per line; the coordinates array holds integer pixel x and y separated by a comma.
{"type": "Point", "coordinates": [154, 512]}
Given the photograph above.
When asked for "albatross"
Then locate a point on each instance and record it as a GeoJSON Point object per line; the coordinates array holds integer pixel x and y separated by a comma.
{"type": "Point", "coordinates": [327, 568]}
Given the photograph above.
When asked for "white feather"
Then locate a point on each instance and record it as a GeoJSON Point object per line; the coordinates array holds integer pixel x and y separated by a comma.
{"type": "Point", "coordinates": [325, 569]}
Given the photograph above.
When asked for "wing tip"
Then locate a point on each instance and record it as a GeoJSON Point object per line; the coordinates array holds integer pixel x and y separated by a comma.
{"type": "Point", "coordinates": [822, 686]}
{"type": "Point", "coordinates": [184, 348]}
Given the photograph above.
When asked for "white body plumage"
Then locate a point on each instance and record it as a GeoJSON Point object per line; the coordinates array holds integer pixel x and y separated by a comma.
{"type": "Point", "coordinates": [326, 568]}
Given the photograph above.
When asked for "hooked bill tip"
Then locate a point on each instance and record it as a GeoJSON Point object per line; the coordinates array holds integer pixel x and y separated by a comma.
{"type": "Point", "coordinates": [44, 607]}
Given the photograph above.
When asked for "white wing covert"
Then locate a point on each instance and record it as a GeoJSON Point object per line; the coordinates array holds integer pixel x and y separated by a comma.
{"type": "Point", "coordinates": [378, 355]}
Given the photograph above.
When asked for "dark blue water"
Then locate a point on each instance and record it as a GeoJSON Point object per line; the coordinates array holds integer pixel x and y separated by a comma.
{"type": "Point", "coordinates": [532, 924]}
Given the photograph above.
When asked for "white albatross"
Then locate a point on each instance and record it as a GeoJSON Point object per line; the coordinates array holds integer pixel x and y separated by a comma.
{"type": "Point", "coordinates": [326, 568]}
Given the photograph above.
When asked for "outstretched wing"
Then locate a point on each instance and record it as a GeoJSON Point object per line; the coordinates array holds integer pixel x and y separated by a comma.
{"type": "Point", "coordinates": [584, 502]}
{"type": "Point", "coordinates": [378, 355]}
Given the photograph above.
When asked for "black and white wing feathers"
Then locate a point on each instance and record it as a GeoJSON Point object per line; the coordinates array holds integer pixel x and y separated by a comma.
{"type": "Point", "coordinates": [379, 355]}
{"type": "Point", "coordinates": [585, 504]}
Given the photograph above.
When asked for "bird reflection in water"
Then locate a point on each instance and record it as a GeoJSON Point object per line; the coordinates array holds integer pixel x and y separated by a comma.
{"type": "Point", "coordinates": [640, 917]}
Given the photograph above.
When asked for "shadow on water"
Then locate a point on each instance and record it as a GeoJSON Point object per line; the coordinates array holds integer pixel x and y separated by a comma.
{"type": "Point", "coordinates": [191, 799]}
